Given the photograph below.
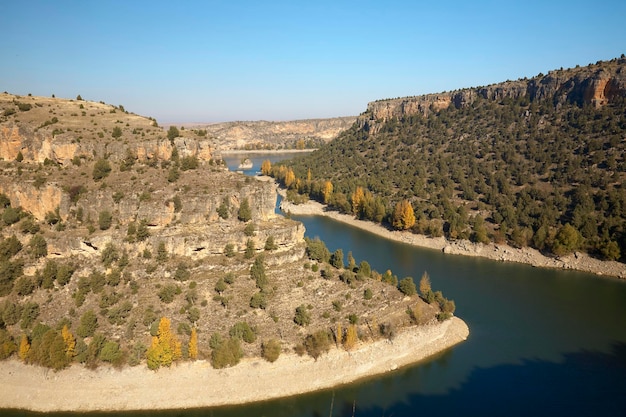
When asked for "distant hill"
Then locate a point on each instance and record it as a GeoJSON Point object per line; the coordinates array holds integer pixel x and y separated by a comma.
{"type": "Point", "coordinates": [295, 134]}
{"type": "Point", "coordinates": [535, 162]}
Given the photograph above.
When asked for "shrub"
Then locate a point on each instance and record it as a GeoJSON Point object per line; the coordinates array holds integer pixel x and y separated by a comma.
{"type": "Point", "coordinates": [101, 169]}
{"type": "Point", "coordinates": [38, 246]}
{"type": "Point", "coordinates": [9, 247]}
{"type": "Point", "coordinates": [250, 249]}
{"type": "Point", "coordinates": [224, 209]}
{"type": "Point", "coordinates": [173, 133]}
{"type": "Point", "coordinates": [367, 294]}
{"type": "Point", "coordinates": [249, 229]}
{"type": "Point", "coordinates": [318, 343]}
{"type": "Point", "coordinates": [269, 243]}
{"type": "Point", "coordinates": [270, 350]}
{"type": "Point", "coordinates": [226, 353]}
{"type": "Point", "coordinates": [117, 132]}
{"type": "Point", "coordinates": [258, 300]}
{"type": "Point", "coordinates": [229, 250]}
{"type": "Point", "coordinates": [88, 324]}
{"type": "Point", "coordinates": [188, 162]}
{"type": "Point", "coordinates": [302, 317]}
{"type": "Point", "coordinates": [110, 254]}
{"type": "Point", "coordinates": [336, 259]}
{"type": "Point", "coordinates": [167, 293]}
{"type": "Point", "coordinates": [243, 331]}
{"type": "Point", "coordinates": [105, 218]}
{"type": "Point", "coordinates": [11, 215]}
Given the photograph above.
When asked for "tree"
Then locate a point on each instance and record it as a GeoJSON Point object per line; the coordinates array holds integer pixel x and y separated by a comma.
{"type": "Point", "coordinates": [165, 347]}
{"type": "Point", "coordinates": [567, 240]}
{"type": "Point", "coordinates": [407, 286]}
{"type": "Point", "coordinates": [270, 350]}
{"type": "Point", "coordinates": [105, 218]}
{"type": "Point", "coordinates": [70, 341]}
{"type": "Point", "coordinates": [193, 344]}
{"type": "Point", "coordinates": [266, 167]}
{"type": "Point", "coordinates": [351, 337]}
{"type": "Point", "coordinates": [173, 133]}
{"type": "Point", "coordinates": [117, 132]}
{"type": "Point", "coordinates": [327, 191]}
{"type": "Point", "coordinates": [245, 213]}
{"type": "Point", "coordinates": [425, 288]}
{"type": "Point", "coordinates": [403, 217]}
{"type": "Point", "coordinates": [269, 243]}
{"type": "Point", "coordinates": [88, 324]}
{"type": "Point", "coordinates": [317, 343]}
{"type": "Point", "coordinates": [257, 273]}
{"type": "Point", "coordinates": [243, 331]}
{"type": "Point", "coordinates": [38, 246]}
{"type": "Point", "coordinates": [336, 259]}
{"type": "Point", "coordinates": [302, 317]}
{"type": "Point", "coordinates": [358, 198]}
{"type": "Point", "coordinates": [101, 169]}
{"type": "Point", "coordinates": [24, 348]}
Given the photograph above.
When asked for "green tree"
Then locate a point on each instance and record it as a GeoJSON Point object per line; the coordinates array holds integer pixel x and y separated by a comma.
{"type": "Point", "coordinates": [38, 246]}
{"type": "Point", "coordinates": [88, 324]}
{"type": "Point", "coordinates": [172, 133]}
{"type": "Point", "coordinates": [567, 240]}
{"type": "Point", "coordinates": [117, 132]}
{"type": "Point", "coordinates": [336, 259]}
{"type": "Point", "coordinates": [407, 286]}
{"type": "Point", "coordinates": [101, 169]}
{"type": "Point", "coordinates": [302, 317]}
{"type": "Point", "coordinates": [105, 218]}
{"type": "Point", "coordinates": [244, 213]}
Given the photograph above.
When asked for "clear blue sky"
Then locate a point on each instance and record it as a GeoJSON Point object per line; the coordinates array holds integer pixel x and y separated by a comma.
{"type": "Point", "coordinates": [207, 61]}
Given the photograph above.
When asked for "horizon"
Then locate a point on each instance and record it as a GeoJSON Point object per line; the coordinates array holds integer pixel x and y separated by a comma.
{"type": "Point", "coordinates": [197, 63]}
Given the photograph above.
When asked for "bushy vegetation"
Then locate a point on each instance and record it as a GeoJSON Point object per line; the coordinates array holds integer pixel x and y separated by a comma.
{"type": "Point", "coordinates": [527, 172]}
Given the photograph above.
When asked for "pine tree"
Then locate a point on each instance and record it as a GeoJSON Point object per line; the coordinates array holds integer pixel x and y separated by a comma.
{"type": "Point", "coordinates": [193, 344]}
{"type": "Point", "coordinates": [24, 348]}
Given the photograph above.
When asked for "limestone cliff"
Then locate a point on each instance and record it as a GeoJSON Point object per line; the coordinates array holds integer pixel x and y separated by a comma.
{"type": "Point", "coordinates": [594, 85]}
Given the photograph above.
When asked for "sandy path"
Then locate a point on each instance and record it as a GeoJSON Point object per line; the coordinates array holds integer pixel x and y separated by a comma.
{"type": "Point", "coordinates": [576, 261]}
{"type": "Point", "coordinates": [197, 384]}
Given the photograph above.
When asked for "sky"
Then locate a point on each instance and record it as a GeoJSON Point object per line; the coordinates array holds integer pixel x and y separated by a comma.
{"type": "Point", "coordinates": [215, 61]}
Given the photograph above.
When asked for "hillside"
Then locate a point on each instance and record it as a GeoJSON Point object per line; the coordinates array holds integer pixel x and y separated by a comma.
{"type": "Point", "coordinates": [266, 135]}
{"type": "Point", "coordinates": [535, 162]}
{"type": "Point", "coordinates": [122, 243]}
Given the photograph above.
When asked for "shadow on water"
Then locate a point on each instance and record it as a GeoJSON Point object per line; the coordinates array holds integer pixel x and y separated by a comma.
{"type": "Point", "coordinates": [585, 383]}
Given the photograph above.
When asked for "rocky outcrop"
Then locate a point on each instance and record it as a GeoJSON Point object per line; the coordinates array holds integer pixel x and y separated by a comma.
{"type": "Point", "coordinates": [595, 85]}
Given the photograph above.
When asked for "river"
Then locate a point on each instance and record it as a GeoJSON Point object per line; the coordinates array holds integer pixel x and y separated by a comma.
{"type": "Point", "coordinates": [542, 343]}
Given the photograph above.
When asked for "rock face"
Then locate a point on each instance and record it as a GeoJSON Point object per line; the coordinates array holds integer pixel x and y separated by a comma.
{"type": "Point", "coordinates": [594, 85]}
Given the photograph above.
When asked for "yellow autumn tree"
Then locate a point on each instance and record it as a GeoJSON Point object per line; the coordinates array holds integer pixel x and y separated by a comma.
{"type": "Point", "coordinates": [165, 347]}
{"type": "Point", "coordinates": [358, 198]}
{"type": "Point", "coordinates": [193, 344]}
{"type": "Point", "coordinates": [327, 191]}
{"type": "Point", "coordinates": [266, 167]}
{"type": "Point", "coordinates": [24, 348]}
{"type": "Point", "coordinates": [351, 337]}
{"type": "Point", "coordinates": [70, 341]}
{"type": "Point", "coordinates": [403, 217]}
{"type": "Point", "coordinates": [290, 178]}
{"type": "Point", "coordinates": [339, 334]}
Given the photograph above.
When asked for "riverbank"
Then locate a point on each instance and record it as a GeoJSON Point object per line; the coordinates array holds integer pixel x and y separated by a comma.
{"type": "Point", "coordinates": [262, 151]}
{"type": "Point", "coordinates": [197, 384]}
{"type": "Point", "coordinates": [575, 261]}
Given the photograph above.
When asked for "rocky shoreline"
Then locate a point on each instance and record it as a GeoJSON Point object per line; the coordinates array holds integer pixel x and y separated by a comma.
{"type": "Point", "coordinates": [576, 261]}
{"type": "Point", "coordinates": [197, 384]}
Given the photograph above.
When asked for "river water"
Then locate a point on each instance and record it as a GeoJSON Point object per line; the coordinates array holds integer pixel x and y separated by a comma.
{"type": "Point", "coordinates": [542, 342]}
